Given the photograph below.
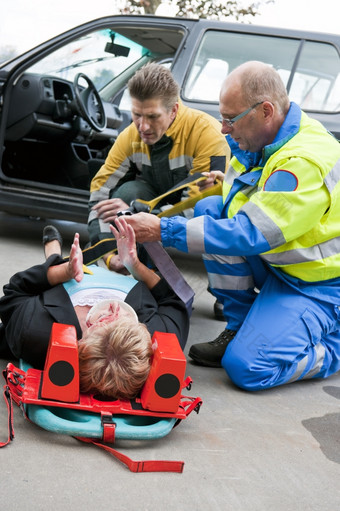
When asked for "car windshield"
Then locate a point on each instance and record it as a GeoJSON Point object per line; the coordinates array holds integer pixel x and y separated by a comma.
{"type": "Point", "coordinates": [101, 55]}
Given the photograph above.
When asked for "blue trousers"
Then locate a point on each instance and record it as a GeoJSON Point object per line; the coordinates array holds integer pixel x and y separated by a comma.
{"type": "Point", "coordinates": [282, 334]}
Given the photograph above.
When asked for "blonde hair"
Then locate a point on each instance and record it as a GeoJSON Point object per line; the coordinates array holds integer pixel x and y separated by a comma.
{"type": "Point", "coordinates": [115, 358]}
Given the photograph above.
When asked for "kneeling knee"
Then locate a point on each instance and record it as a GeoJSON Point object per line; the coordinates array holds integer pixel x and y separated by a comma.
{"type": "Point", "coordinates": [242, 373]}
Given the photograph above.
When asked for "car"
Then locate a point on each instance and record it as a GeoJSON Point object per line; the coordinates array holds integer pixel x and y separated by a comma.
{"type": "Point", "coordinates": [64, 102]}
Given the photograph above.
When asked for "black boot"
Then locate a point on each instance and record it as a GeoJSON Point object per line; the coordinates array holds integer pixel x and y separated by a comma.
{"type": "Point", "coordinates": [210, 353]}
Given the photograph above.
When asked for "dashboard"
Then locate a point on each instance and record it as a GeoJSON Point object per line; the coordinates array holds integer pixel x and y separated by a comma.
{"type": "Point", "coordinates": [45, 108]}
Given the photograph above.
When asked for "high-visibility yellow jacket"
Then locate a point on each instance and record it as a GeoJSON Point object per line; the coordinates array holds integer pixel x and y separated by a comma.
{"type": "Point", "coordinates": [282, 204]}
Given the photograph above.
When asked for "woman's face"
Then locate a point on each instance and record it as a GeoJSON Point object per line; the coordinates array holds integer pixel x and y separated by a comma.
{"type": "Point", "coordinates": [108, 311]}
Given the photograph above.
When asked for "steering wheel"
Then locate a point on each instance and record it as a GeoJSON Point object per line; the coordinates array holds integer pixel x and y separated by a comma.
{"type": "Point", "coordinates": [89, 103]}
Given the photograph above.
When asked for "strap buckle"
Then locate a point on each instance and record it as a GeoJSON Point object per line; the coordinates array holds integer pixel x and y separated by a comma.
{"type": "Point", "coordinates": [109, 427]}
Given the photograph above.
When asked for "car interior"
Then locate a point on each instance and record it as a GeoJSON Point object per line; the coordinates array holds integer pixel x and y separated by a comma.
{"type": "Point", "coordinates": [67, 109]}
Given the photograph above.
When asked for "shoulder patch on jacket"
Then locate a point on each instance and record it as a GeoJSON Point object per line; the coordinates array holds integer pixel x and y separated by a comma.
{"type": "Point", "coordinates": [281, 181]}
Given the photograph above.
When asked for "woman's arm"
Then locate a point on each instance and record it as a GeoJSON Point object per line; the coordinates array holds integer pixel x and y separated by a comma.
{"type": "Point", "coordinates": [126, 244]}
{"type": "Point", "coordinates": [158, 307]}
{"type": "Point", "coordinates": [73, 269]}
{"type": "Point", "coordinates": [30, 283]}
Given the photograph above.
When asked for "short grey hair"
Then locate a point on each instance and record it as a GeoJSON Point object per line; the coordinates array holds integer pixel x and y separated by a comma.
{"type": "Point", "coordinates": [261, 82]}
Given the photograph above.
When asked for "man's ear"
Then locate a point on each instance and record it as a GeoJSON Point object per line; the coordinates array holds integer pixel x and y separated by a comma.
{"type": "Point", "coordinates": [268, 109]}
{"type": "Point", "coordinates": [174, 110]}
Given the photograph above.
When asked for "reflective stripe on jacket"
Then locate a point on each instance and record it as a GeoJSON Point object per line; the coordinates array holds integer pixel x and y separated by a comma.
{"type": "Point", "coordinates": [296, 203]}
{"type": "Point", "coordinates": [282, 204]}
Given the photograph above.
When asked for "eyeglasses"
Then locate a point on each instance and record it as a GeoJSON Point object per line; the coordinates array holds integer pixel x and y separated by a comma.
{"type": "Point", "coordinates": [230, 122]}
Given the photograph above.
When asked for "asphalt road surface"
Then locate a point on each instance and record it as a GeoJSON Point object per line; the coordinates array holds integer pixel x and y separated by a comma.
{"type": "Point", "coordinates": [277, 449]}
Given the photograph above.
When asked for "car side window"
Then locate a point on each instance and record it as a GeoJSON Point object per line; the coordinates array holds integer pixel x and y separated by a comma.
{"type": "Point", "coordinates": [225, 51]}
{"type": "Point", "coordinates": [315, 84]}
{"type": "Point", "coordinates": [310, 70]}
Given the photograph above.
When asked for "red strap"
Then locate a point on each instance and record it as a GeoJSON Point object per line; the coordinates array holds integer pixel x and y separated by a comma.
{"type": "Point", "coordinates": [109, 428]}
{"type": "Point", "coordinates": [139, 466]}
{"type": "Point", "coordinates": [9, 403]}
{"type": "Point", "coordinates": [108, 436]}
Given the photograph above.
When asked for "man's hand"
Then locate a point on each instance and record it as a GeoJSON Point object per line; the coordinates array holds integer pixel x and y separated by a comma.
{"type": "Point", "coordinates": [107, 209]}
{"type": "Point", "coordinates": [147, 227]}
{"type": "Point", "coordinates": [212, 177]}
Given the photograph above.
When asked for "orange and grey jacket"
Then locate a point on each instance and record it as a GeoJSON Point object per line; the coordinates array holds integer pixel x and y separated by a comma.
{"type": "Point", "coordinates": [193, 143]}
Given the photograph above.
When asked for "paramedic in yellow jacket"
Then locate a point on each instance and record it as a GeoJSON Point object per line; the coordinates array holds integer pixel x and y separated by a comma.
{"type": "Point", "coordinates": [166, 142]}
{"type": "Point", "coordinates": [271, 245]}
